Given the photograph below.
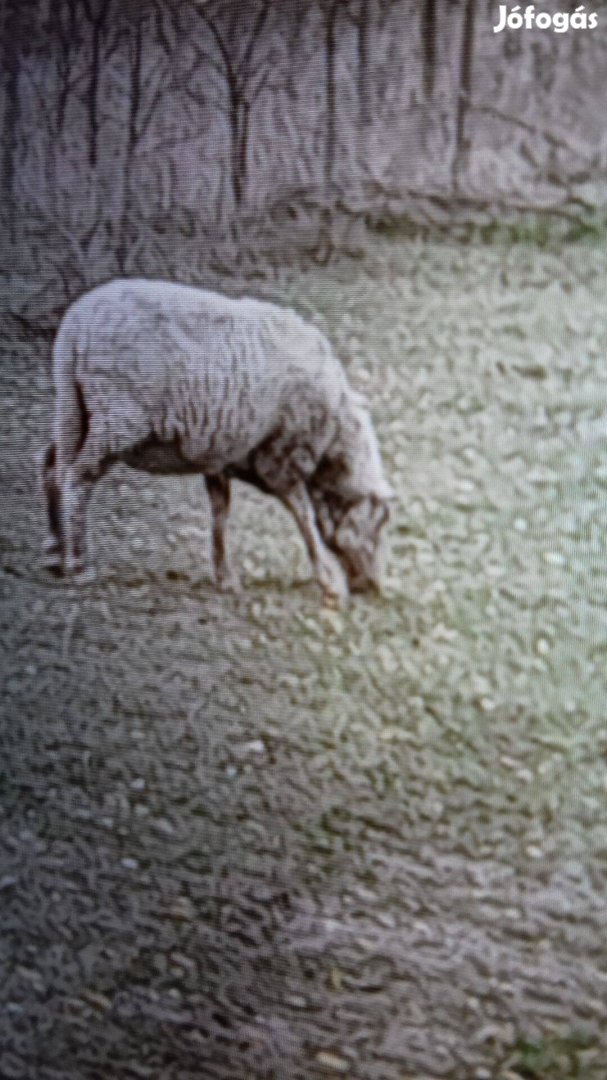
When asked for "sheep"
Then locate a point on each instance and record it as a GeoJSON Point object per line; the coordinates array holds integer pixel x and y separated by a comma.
{"type": "Point", "coordinates": [172, 379]}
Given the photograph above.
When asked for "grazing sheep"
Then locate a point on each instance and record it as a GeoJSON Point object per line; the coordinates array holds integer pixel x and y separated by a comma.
{"type": "Point", "coordinates": [172, 379]}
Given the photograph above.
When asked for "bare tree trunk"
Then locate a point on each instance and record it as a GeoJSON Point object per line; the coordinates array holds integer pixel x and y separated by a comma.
{"type": "Point", "coordinates": [243, 146]}
{"type": "Point", "coordinates": [97, 26]}
{"type": "Point", "coordinates": [67, 39]}
{"type": "Point", "coordinates": [92, 99]}
{"type": "Point", "coordinates": [235, 154]}
{"type": "Point", "coordinates": [429, 45]}
{"type": "Point", "coordinates": [464, 89]}
{"type": "Point", "coordinates": [135, 95]}
{"type": "Point", "coordinates": [244, 79]}
{"type": "Point", "coordinates": [363, 42]}
{"type": "Point", "coordinates": [10, 63]}
{"type": "Point", "coordinates": [132, 140]}
{"type": "Point", "coordinates": [330, 94]}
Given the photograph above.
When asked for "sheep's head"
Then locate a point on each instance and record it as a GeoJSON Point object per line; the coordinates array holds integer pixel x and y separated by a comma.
{"type": "Point", "coordinates": [351, 528]}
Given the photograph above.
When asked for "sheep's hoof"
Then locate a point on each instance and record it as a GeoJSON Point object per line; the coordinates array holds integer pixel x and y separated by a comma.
{"type": "Point", "coordinates": [335, 594]}
{"type": "Point", "coordinates": [52, 559]}
{"type": "Point", "coordinates": [332, 602]}
{"type": "Point", "coordinates": [333, 583]}
{"type": "Point", "coordinates": [79, 573]}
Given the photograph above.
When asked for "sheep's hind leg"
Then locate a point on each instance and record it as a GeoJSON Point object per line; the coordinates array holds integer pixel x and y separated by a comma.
{"type": "Point", "coordinates": [77, 486]}
{"type": "Point", "coordinates": [53, 542]}
{"type": "Point", "coordinates": [326, 566]}
{"type": "Point", "coordinates": [218, 489]}
{"type": "Point", "coordinates": [76, 494]}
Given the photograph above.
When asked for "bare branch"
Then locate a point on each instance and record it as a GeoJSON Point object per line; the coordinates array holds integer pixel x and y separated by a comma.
{"type": "Point", "coordinates": [255, 32]}
{"type": "Point", "coordinates": [221, 45]}
{"type": "Point", "coordinates": [533, 129]}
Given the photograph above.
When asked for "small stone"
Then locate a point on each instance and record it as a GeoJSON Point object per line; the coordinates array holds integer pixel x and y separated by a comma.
{"type": "Point", "coordinates": [182, 909]}
{"type": "Point", "coordinates": [129, 864]}
{"type": "Point", "coordinates": [161, 825]}
{"type": "Point", "coordinates": [525, 775]}
{"type": "Point", "coordinates": [332, 1062]}
{"type": "Point", "coordinates": [184, 962]}
{"type": "Point", "coordinates": [99, 1001]}
{"type": "Point", "coordinates": [256, 746]}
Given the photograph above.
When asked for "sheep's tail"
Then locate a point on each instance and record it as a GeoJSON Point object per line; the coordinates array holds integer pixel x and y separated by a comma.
{"type": "Point", "coordinates": [71, 415]}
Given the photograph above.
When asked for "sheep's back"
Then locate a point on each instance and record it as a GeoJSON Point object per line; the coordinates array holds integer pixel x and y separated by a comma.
{"type": "Point", "coordinates": [217, 371]}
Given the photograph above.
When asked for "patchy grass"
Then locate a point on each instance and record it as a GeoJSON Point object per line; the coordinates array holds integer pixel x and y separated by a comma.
{"type": "Point", "coordinates": [569, 1057]}
{"type": "Point", "coordinates": [410, 792]}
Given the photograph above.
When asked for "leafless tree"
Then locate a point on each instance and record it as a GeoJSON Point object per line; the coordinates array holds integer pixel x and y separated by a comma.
{"type": "Point", "coordinates": [429, 21]}
{"type": "Point", "coordinates": [11, 55]}
{"type": "Point", "coordinates": [236, 49]}
{"type": "Point", "coordinates": [363, 45]}
{"type": "Point", "coordinates": [298, 92]}
{"type": "Point", "coordinates": [145, 85]}
{"type": "Point", "coordinates": [96, 12]}
{"type": "Point", "coordinates": [464, 91]}
{"type": "Point", "coordinates": [67, 35]}
{"type": "Point", "coordinates": [330, 12]}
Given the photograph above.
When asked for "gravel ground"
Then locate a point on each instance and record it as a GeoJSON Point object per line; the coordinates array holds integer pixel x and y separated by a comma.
{"type": "Point", "coordinates": [248, 839]}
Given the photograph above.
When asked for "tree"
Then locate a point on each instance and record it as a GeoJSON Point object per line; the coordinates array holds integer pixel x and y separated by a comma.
{"type": "Point", "coordinates": [236, 49]}
{"type": "Point", "coordinates": [67, 34]}
{"type": "Point", "coordinates": [11, 58]}
{"type": "Point", "coordinates": [96, 12]}
{"type": "Point", "coordinates": [145, 86]}
{"type": "Point", "coordinates": [429, 45]}
{"type": "Point", "coordinates": [330, 11]}
{"type": "Point", "coordinates": [465, 87]}
{"type": "Point", "coordinates": [363, 47]}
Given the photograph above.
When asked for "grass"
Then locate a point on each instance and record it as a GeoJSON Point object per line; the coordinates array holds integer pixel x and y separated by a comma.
{"type": "Point", "coordinates": [443, 746]}
{"type": "Point", "coordinates": [555, 1058]}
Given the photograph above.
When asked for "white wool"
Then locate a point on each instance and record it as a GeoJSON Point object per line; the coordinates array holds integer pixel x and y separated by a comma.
{"type": "Point", "coordinates": [159, 361]}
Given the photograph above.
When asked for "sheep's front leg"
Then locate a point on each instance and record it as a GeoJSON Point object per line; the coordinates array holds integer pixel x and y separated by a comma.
{"type": "Point", "coordinates": [218, 488]}
{"type": "Point", "coordinates": [326, 567]}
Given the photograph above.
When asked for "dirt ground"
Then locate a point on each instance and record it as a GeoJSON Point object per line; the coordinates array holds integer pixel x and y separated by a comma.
{"type": "Point", "coordinates": [244, 838]}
